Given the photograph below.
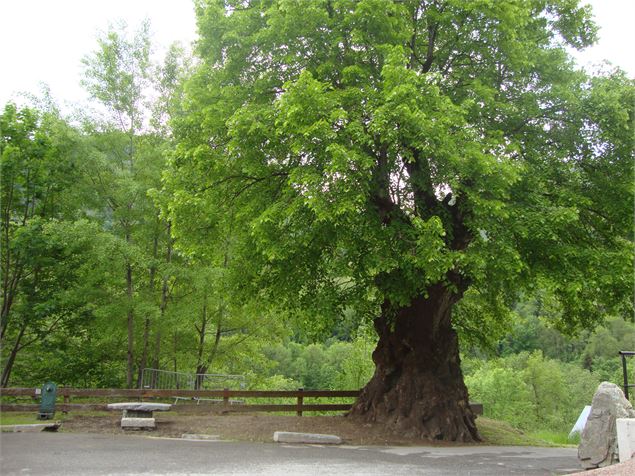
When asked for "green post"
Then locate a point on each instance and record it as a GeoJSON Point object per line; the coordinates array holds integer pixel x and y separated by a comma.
{"type": "Point", "coordinates": [47, 403]}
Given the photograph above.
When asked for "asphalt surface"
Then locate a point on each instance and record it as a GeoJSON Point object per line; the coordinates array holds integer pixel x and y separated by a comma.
{"type": "Point", "coordinates": [96, 454]}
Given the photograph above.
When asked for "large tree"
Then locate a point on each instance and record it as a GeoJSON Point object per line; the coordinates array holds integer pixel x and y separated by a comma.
{"type": "Point", "coordinates": [399, 157]}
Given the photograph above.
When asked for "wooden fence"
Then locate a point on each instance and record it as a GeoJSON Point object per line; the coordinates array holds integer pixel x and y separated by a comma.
{"type": "Point", "coordinates": [220, 401]}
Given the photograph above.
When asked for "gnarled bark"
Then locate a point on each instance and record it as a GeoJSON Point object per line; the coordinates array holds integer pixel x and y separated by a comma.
{"type": "Point", "coordinates": [417, 389]}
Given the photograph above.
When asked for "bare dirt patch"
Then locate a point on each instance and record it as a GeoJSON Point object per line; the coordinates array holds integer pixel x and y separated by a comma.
{"type": "Point", "coordinates": [246, 427]}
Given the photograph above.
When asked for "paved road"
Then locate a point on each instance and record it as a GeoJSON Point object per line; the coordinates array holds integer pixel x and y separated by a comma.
{"type": "Point", "coordinates": [83, 454]}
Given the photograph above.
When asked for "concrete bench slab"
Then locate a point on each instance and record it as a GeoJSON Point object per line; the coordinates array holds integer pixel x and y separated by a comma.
{"type": "Point", "coordinates": [140, 406]}
{"type": "Point", "coordinates": [128, 423]}
{"type": "Point", "coordinates": [308, 438]}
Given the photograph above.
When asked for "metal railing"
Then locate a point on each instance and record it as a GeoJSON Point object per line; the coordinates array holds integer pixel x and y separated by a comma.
{"type": "Point", "coordinates": [165, 379]}
{"type": "Point", "coordinates": [624, 354]}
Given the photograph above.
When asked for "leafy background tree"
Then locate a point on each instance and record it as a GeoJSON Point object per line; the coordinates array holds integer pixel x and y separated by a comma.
{"type": "Point", "coordinates": [39, 167]}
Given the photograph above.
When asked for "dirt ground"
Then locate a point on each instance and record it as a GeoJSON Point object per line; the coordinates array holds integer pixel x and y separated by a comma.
{"type": "Point", "coordinates": [245, 427]}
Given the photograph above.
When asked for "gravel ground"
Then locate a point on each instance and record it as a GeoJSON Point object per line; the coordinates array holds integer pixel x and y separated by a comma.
{"type": "Point", "coordinates": [627, 468]}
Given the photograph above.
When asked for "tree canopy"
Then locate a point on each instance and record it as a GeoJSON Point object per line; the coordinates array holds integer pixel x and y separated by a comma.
{"type": "Point", "coordinates": [399, 156]}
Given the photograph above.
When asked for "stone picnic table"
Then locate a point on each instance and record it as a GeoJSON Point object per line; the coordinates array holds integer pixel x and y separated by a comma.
{"type": "Point", "coordinates": [139, 415]}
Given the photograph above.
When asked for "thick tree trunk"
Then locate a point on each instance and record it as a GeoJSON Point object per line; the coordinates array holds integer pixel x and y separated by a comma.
{"type": "Point", "coordinates": [417, 389]}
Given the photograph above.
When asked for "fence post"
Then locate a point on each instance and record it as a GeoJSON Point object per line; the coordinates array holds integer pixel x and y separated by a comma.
{"type": "Point", "coordinates": [226, 396]}
{"type": "Point", "coordinates": [300, 401]}
{"type": "Point", "coordinates": [67, 400]}
{"type": "Point", "coordinates": [625, 373]}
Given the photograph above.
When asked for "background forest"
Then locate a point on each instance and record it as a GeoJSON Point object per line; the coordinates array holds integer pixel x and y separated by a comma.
{"type": "Point", "coordinates": [95, 287]}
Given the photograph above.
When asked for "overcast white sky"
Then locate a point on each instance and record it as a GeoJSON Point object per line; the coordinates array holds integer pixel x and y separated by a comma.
{"type": "Point", "coordinates": [44, 40]}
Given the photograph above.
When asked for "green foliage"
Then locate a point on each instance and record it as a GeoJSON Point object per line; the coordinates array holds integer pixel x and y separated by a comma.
{"type": "Point", "coordinates": [118, 73]}
{"type": "Point", "coordinates": [336, 365]}
{"type": "Point", "coordinates": [532, 392]}
{"type": "Point", "coordinates": [504, 394]}
{"type": "Point", "coordinates": [88, 262]}
{"type": "Point", "coordinates": [363, 154]}
{"type": "Point", "coordinates": [357, 367]}
{"type": "Point", "coordinates": [46, 246]}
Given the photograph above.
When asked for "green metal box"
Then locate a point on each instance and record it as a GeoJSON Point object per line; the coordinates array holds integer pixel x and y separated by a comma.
{"type": "Point", "coordinates": [47, 403]}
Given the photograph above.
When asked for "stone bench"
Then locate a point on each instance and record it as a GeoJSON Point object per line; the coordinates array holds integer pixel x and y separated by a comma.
{"type": "Point", "coordinates": [139, 415]}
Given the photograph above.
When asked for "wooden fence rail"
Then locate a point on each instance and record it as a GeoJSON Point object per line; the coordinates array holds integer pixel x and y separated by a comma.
{"type": "Point", "coordinates": [163, 393]}
{"type": "Point", "coordinates": [212, 400]}
{"type": "Point", "coordinates": [206, 400]}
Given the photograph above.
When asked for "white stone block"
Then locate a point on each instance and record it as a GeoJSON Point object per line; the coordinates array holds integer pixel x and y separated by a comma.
{"type": "Point", "coordinates": [138, 423]}
{"type": "Point", "coordinates": [625, 438]}
{"type": "Point", "coordinates": [310, 438]}
{"type": "Point", "coordinates": [33, 427]}
{"type": "Point", "coordinates": [194, 436]}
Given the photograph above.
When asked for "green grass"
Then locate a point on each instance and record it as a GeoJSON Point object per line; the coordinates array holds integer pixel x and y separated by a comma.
{"type": "Point", "coordinates": [30, 418]}
{"type": "Point", "coordinates": [19, 418]}
{"type": "Point", "coordinates": [26, 418]}
{"type": "Point", "coordinates": [496, 432]}
{"type": "Point", "coordinates": [556, 438]}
